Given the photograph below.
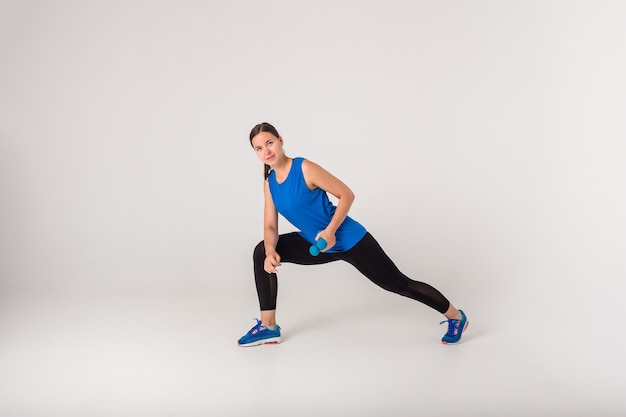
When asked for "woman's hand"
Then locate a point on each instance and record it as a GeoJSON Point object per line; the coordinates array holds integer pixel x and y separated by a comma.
{"type": "Point", "coordinates": [329, 237]}
{"type": "Point", "coordinates": [272, 261]}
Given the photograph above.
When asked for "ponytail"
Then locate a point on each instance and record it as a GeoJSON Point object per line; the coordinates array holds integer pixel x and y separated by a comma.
{"type": "Point", "coordinates": [266, 169]}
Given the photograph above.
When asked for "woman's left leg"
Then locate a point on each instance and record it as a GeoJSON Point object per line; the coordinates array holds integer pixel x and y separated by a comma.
{"type": "Point", "coordinates": [370, 259]}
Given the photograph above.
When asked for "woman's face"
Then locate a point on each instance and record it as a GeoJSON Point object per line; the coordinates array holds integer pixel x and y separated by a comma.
{"type": "Point", "coordinates": [268, 147]}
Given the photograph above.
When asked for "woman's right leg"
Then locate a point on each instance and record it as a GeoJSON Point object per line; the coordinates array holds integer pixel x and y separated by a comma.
{"type": "Point", "coordinates": [292, 248]}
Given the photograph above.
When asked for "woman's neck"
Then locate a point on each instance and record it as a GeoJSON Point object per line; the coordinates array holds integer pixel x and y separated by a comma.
{"type": "Point", "coordinates": [282, 167]}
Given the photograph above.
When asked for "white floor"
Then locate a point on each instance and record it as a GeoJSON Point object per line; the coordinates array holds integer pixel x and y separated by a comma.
{"type": "Point", "coordinates": [174, 354]}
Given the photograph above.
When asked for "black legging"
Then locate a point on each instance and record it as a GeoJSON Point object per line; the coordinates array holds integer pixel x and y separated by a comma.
{"type": "Point", "coordinates": [367, 256]}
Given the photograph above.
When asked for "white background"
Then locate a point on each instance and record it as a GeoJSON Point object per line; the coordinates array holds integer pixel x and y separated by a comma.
{"type": "Point", "coordinates": [485, 142]}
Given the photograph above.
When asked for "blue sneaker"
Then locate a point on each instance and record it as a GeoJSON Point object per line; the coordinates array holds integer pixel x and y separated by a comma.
{"type": "Point", "coordinates": [455, 330]}
{"type": "Point", "coordinates": [259, 335]}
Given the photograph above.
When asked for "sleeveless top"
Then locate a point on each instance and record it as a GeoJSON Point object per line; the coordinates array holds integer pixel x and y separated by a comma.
{"type": "Point", "coordinates": [311, 210]}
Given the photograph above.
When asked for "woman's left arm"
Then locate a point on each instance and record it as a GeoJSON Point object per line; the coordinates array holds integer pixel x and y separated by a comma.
{"type": "Point", "coordinates": [317, 177]}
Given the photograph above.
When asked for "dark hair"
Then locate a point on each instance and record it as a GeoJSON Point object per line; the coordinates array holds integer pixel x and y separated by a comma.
{"type": "Point", "coordinates": [264, 127]}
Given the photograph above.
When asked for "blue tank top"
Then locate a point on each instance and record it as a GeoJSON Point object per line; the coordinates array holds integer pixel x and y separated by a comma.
{"type": "Point", "coordinates": [311, 210]}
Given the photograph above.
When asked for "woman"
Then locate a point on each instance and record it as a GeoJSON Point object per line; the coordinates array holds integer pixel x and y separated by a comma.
{"type": "Point", "coordinates": [297, 189]}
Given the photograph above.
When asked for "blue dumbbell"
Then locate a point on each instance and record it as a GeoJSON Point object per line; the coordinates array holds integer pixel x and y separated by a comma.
{"type": "Point", "coordinates": [318, 247]}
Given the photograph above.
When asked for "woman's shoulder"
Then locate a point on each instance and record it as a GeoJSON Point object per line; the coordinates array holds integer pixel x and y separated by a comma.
{"type": "Point", "coordinates": [310, 170]}
{"type": "Point", "coordinates": [307, 163]}
{"type": "Point", "coordinates": [303, 162]}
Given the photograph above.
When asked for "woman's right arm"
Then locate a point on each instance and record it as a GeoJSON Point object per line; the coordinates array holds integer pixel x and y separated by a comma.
{"type": "Point", "coordinates": [270, 232]}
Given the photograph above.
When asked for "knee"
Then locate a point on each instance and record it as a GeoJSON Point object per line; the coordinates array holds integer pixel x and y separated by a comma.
{"type": "Point", "coordinates": [259, 251]}
{"type": "Point", "coordinates": [396, 283]}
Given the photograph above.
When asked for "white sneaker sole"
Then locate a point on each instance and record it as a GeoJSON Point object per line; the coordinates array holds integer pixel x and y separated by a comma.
{"type": "Point", "coordinates": [268, 341]}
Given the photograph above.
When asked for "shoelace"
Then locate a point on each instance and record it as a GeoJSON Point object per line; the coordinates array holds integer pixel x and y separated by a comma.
{"type": "Point", "coordinates": [257, 327]}
{"type": "Point", "coordinates": [453, 326]}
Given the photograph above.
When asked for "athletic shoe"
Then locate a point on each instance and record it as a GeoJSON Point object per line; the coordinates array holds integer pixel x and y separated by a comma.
{"type": "Point", "coordinates": [455, 329]}
{"type": "Point", "coordinates": [259, 335]}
